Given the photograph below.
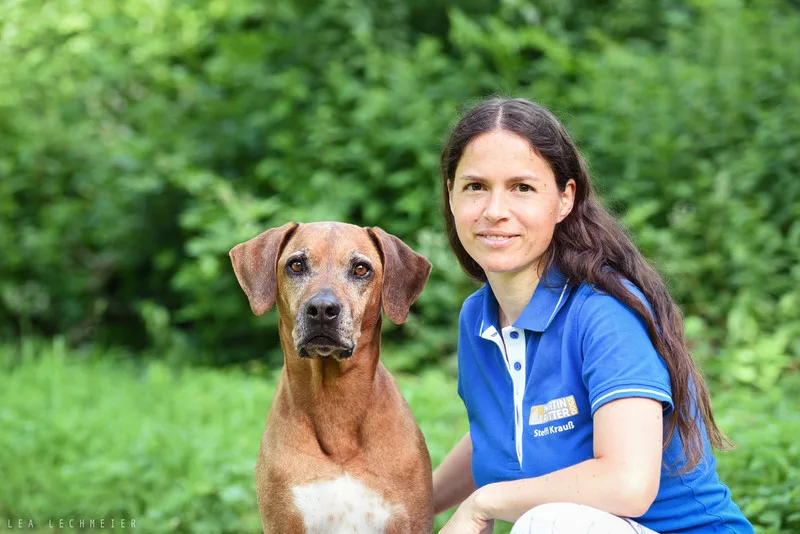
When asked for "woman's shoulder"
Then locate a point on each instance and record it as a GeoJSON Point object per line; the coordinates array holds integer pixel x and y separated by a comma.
{"type": "Point", "coordinates": [591, 299]}
{"type": "Point", "coordinates": [473, 304]}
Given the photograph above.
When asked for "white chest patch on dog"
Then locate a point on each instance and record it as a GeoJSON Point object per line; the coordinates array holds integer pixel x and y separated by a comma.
{"type": "Point", "coordinates": [342, 505]}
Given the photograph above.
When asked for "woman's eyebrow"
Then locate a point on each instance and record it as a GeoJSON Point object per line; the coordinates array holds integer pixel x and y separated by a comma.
{"type": "Point", "coordinates": [478, 178]}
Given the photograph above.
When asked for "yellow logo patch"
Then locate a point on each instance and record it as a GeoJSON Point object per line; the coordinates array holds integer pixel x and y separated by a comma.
{"type": "Point", "coordinates": [553, 410]}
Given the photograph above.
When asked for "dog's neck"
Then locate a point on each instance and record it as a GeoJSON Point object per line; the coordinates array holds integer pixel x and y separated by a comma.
{"type": "Point", "coordinates": [332, 396]}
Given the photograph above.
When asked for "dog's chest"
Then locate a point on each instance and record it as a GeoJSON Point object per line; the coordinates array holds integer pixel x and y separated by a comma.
{"type": "Point", "coordinates": [342, 505]}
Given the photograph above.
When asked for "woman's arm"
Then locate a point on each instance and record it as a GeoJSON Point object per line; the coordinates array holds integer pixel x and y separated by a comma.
{"type": "Point", "coordinates": [452, 480]}
{"type": "Point", "coordinates": [622, 478]}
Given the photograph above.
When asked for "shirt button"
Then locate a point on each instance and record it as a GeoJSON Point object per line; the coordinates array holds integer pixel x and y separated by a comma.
{"type": "Point", "coordinates": [514, 335]}
{"type": "Point", "coordinates": [517, 366]}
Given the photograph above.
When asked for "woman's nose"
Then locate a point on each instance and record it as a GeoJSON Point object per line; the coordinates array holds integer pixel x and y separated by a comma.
{"type": "Point", "coordinates": [496, 208]}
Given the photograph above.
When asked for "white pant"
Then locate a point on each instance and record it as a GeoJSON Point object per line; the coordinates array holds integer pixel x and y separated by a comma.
{"type": "Point", "coordinates": [567, 518]}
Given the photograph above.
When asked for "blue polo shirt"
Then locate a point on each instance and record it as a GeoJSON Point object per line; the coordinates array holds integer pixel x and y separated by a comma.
{"type": "Point", "coordinates": [531, 400]}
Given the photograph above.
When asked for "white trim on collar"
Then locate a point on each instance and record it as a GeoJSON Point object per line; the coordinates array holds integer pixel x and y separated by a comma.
{"type": "Point", "coordinates": [563, 291]}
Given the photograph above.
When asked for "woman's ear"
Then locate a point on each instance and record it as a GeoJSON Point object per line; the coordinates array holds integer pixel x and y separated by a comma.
{"type": "Point", "coordinates": [567, 200]}
{"type": "Point", "coordinates": [450, 195]}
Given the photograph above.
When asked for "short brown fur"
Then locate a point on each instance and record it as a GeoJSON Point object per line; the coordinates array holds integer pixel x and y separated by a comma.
{"type": "Point", "coordinates": [332, 416]}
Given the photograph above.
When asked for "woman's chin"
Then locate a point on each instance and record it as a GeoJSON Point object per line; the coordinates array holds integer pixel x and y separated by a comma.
{"type": "Point", "coordinates": [502, 268]}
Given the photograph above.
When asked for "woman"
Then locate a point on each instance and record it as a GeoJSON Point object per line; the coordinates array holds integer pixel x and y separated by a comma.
{"type": "Point", "coordinates": [585, 407]}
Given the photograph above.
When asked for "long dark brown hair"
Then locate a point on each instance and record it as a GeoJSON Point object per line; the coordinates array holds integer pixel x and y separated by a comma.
{"type": "Point", "coordinates": [589, 245]}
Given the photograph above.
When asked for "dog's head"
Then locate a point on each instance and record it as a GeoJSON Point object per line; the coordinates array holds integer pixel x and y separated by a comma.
{"type": "Point", "coordinates": [328, 279]}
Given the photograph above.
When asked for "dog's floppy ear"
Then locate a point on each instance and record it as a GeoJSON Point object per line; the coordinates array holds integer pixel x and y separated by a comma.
{"type": "Point", "coordinates": [255, 263]}
{"type": "Point", "coordinates": [404, 274]}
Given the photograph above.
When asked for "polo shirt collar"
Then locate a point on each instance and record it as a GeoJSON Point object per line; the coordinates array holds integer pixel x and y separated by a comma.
{"type": "Point", "coordinates": [550, 294]}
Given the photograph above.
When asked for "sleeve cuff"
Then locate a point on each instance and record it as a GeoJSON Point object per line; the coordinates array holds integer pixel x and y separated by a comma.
{"type": "Point", "coordinates": [622, 391]}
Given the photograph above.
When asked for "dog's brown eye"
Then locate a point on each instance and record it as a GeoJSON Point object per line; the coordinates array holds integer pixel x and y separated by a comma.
{"type": "Point", "coordinates": [297, 266]}
{"type": "Point", "coordinates": [361, 269]}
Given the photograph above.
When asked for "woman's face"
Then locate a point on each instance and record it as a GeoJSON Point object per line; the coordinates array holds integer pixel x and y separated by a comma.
{"type": "Point", "coordinates": [506, 203]}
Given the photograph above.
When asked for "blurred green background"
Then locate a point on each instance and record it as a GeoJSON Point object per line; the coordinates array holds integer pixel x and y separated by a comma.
{"type": "Point", "coordinates": [140, 140]}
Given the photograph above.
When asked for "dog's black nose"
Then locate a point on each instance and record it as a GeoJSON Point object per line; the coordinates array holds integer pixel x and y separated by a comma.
{"type": "Point", "coordinates": [323, 308]}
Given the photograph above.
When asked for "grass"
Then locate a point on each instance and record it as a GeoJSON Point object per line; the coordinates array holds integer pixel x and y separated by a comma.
{"type": "Point", "coordinates": [95, 434]}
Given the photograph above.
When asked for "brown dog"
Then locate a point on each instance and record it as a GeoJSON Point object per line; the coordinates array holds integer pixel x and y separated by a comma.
{"type": "Point", "coordinates": [341, 451]}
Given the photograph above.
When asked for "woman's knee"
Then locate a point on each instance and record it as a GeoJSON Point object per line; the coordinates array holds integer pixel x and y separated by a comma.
{"type": "Point", "coordinates": [569, 518]}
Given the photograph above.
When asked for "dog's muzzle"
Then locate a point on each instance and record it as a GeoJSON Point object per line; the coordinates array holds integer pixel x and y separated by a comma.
{"type": "Point", "coordinates": [321, 332]}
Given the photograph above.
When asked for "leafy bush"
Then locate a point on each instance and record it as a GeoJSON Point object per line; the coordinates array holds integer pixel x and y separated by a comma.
{"type": "Point", "coordinates": [142, 141]}
{"type": "Point", "coordinates": [178, 130]}
{"type": "Point", "coordinates": [763, 470]}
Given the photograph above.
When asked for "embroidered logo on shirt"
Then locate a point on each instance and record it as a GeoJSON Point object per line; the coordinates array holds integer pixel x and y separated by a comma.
{"type": "Point", "coordinates": [553, 410]}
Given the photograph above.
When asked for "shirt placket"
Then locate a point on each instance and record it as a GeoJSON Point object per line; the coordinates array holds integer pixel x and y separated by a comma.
{"type": "Point", "coordinates": [511, 342]}
{"type": "Point", "coordinates": [514, 339]}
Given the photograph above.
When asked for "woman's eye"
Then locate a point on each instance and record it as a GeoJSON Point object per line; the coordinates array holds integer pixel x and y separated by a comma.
{"type": "Point", "coordinates": [474, 186]}
{"type": "Point", "coordinates": [297, 266]}
{"type": "Point", "coordinates": [524, 188]}
{"type": "Point", "coordinates": [361, 269]}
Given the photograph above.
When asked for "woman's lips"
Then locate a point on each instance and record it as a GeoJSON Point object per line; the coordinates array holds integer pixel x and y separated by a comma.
{"type": "Point", "coordinates": [495, 240]}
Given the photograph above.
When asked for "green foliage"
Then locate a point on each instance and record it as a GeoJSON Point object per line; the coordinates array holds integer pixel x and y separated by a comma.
{"type": "Point", "coordinates": [707, 181]}
{"type": "Point", "coordinates": [175, 131]}
{"type": "Point", "coordinates": [102, 437]}
{"type": "Point", "coordinates": [763, 470]}
{"type": "Point", "coordinates": [97, 434]}
{"type": "Point", "coordinates": [141, 142]}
